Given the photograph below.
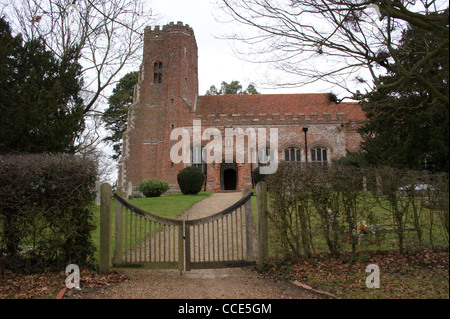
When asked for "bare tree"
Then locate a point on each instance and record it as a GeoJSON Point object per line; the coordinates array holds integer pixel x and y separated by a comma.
{"type": "Point", "coordinates": [106, 33]}
{"type": "Point", "coordinates": [347, 43]}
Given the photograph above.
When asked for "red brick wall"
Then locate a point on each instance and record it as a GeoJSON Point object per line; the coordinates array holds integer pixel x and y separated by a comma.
{"type": "Point", "coordinates": [158, 106]}
{"type": "Point", "coordinates": [175, 102]}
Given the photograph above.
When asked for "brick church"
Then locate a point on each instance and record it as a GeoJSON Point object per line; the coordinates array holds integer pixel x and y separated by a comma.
{"type": "Point", "coordinates": [311, 127]}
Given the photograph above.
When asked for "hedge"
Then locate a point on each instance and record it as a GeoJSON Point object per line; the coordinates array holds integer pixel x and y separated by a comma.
{"type": "Point", "coordinates": [339, 206]}
{"type": "Point", "coordinates": [45, 214]}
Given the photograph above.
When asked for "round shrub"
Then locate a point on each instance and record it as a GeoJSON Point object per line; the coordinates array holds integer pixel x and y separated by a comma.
{"type": "Point", "coordinates": [153, 187]}
{"type": "Point", "coordinates": [190, 180]}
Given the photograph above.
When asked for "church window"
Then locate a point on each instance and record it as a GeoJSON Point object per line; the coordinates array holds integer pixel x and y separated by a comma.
{"type": "Point", "coordinates": [319, 155]}
{"type": "Point", "coordinates": [157, 72]}
{"type": "Point", "coordinates": [292, 154]}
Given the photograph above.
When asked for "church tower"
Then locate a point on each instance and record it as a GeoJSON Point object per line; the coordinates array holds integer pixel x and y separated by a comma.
{"type": "Point", "coordinates": [164, 97]}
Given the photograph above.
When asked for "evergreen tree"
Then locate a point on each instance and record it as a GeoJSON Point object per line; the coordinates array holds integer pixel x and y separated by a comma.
{"type": "Point", "coordinates": [115, 117]}
{"type": "Point", "coordinates": [231, 88]}
{"type": "Point", "coordinates": [408, 126]}
{"type": "Point", "coordinates": [39, 97]}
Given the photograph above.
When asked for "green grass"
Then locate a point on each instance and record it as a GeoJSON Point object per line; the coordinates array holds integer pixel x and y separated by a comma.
{"type": "Point", "coordinates": [168, 206]}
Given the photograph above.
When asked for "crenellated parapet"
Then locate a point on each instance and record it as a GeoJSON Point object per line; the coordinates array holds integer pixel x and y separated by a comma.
{"type": "Point", "coordinates": [159, 31]}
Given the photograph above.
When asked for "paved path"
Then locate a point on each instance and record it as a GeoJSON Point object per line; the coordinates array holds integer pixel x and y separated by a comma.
{"type": "Point", "coordinates": [211, 205]}
{"type": "Point", "coordinates": [225, 283]}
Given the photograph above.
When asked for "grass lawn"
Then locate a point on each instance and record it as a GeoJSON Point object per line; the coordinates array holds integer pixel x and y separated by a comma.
{"type": "Point", "coordinates": [167, 206]}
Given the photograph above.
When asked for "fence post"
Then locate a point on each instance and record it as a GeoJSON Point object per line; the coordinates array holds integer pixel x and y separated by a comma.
{"type": "Point", "coordinates": [105, 227]}
{"type": "Point", "coordinates": [118, 256]}
{"type": "Point", "coordinates": [263, 245]}
{"type": "Point", "coordinates": [249, 227]}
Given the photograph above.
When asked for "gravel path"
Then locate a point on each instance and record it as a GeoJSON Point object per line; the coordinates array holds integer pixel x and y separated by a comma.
{"type": "Point", "coordinates": [225, 283]}
{"type": "Point", "coordinates": [213, 204]}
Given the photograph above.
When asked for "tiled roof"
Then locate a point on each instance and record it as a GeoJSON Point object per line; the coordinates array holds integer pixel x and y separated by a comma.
{"type": "Point", "coordinates": [276, 103]}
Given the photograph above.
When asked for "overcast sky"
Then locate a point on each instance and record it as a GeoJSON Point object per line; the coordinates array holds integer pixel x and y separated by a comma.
{"type": "Point", "coordinates": [217, 62]}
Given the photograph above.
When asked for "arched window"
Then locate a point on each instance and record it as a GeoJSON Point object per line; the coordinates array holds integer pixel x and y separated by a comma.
{"type": "Point", "coordinates": [157, 72]}
{"type": "Point", "coordinates": [292, 154]}
{"type": "Point", "coordinates": [319, 155]}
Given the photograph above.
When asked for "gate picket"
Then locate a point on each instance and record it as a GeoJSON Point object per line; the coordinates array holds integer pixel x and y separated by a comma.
{"type": "Point", "coordinates": [224, 230]}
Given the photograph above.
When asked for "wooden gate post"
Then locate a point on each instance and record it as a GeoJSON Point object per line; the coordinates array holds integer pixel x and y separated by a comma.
{"type": "Point", "coordinates": [105, 227]}
{"type": "Point", "coordinates": [263, 244]}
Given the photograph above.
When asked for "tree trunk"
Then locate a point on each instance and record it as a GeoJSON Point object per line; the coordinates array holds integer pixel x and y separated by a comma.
{"type": "Point", "coordinates": [304, 231]}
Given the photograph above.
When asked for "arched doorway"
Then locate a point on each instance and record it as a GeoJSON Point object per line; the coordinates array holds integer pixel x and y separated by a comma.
{"type": "Point", "coordinates": [228, 176]}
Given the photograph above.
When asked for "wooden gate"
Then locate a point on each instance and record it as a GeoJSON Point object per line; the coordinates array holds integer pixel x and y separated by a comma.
{"type": "Point", "coordinates": [222, 240]}
{"type": "Point", "coordinates": [147, 240]}
{"type": "Point", "coordinates": [143, 239]}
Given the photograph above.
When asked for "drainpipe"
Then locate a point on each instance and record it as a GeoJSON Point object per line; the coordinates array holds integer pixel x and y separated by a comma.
{"type": "Point", "coordinates": [305, 129]}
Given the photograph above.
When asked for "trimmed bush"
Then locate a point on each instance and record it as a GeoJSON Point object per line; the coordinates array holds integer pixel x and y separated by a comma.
{"type": "Point", "coordinates": [46, 217]}
{"type": "Point", "coordinates": [153, 187]}
{"type": "Point", "coordinates": [190, 180]}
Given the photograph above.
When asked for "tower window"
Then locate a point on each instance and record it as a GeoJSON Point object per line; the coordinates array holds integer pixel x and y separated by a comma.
{"type": "Point", "coordinates": [157, 72]}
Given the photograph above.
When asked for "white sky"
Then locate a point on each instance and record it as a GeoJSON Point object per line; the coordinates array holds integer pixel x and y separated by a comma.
{"type": "Point", "coordinates": [217, 62]}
